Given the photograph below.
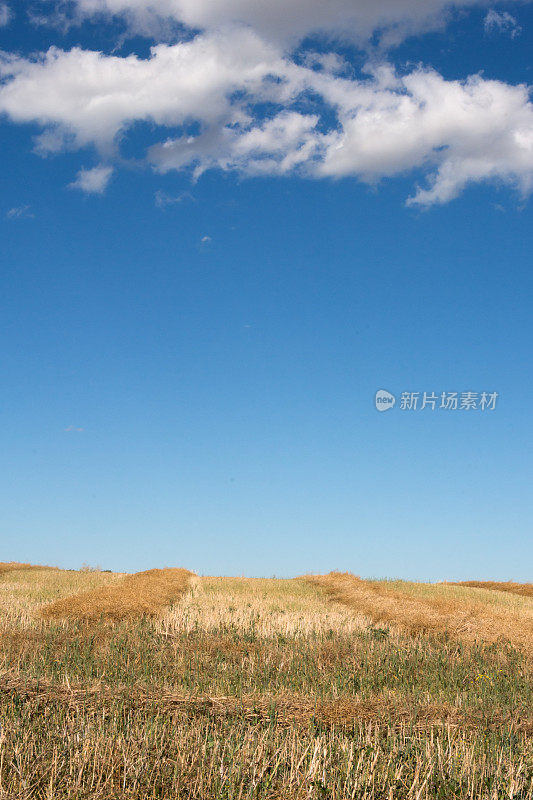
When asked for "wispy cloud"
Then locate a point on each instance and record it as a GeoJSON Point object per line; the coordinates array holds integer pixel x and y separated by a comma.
{"type": "Point", "coordinates": [5, 15]}
{"type": "Point", "coordinates": [92, 181]}
{"type": "Point", "coordinates": [502, 22]}
{"type": "Point", "coordinates": [162, 199]}
{"type": "Point", "coordinates": [19, 212]}
{"type": "Point", "coordinates": [73, 429]}
{"type": "Point", "coordinates": [205, 240]}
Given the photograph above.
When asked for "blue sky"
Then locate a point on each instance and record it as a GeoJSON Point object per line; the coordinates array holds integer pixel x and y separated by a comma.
{"type": "Point", "coordinates": [215, 252]}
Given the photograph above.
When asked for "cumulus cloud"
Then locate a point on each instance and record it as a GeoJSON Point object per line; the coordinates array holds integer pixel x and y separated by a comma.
{"type": "Point", "coordinates": [91, 97]}
{"type": "Point", "coordinates": [276, 146]}
{"type": "Point", "coordinates": [92, 181]}
{"type": "Point", "coordinates": [459, 132]}
{"type": "Point", "coordinates": [5, 15]}
{"type": "Point", "coordinates": [231, 98]}
{"type": "Point", "coordinates": [278, 20]}
{"type": "Point", "coordinates": [502, 22]}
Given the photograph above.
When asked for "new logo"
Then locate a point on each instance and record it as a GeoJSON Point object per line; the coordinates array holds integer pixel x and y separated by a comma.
{"type": "Point", "coordinates": [384, 400]}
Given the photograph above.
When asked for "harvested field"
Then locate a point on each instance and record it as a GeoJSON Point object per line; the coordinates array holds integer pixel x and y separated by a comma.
{"type": "Point", "coordinates": [257, 689]}
{"type": "Point", "coordinates": [524, 589]}
{"type": "Point", "coordinates": [415, 609]}
{"type": "Point", "coordinates": [284, 709]}
{"type": "Point", "coordinates": [23, 593]}
{"type": "Point", "coordinates": [142, 594]}
{"type": "Point", "coordinates": [15, 566]}
{"type": "Point", "coordinates": [120, 754]}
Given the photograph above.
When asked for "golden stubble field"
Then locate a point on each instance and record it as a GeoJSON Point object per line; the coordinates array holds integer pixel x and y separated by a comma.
{"type": "Point", "coordinates": [165, 684]}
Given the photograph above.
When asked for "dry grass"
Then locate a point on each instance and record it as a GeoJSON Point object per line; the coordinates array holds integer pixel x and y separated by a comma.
{"type": "Point", "coordinates": [284, 709]}
{"type": "Point", "coordinates": [462, 596]}
{"type": "Point", "coordinates": [261, 690]}
{"type": "Point", "coordinates": [142, 594]}
{"type": "Point", "coordinates": [15, 566]}
{"type": "Point", "coordinates": [51, 752]}
{"type": "Point", "coordinates": [524, 589]}
{"type": "Point", "coordinates": [24, 592]}
{"type": "Point", "coordinates": [433, 611]}
{"type": "Point", "coordinates": [258, 607]}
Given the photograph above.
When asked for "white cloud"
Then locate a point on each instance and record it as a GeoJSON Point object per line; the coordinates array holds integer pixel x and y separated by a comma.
{"type": "Point", "coordinates": [5, 15]}
{"type": "Point", "coordinates": [321, 124]}
{"type": "Point", "coordinates": [92, 181]}
{"type": "Point", "coordinates": [461, 131]}
{"type": "Point", "coordinates": [279, 20]}
{"type": "Point", "coordinates": [276, 146]}
{"type": "Point", "coordinates": [205, 239]}
{"type": "Point", "coordinates": [91, 97]}
{"type": "Point", "coordinates": [502, 22]}
{"type": "Point", "coordinates": [162, 199]}
{"type": "Point", "coordinates": [457, 132]}
{"type": "Point", "coordinates": [18, 212]}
